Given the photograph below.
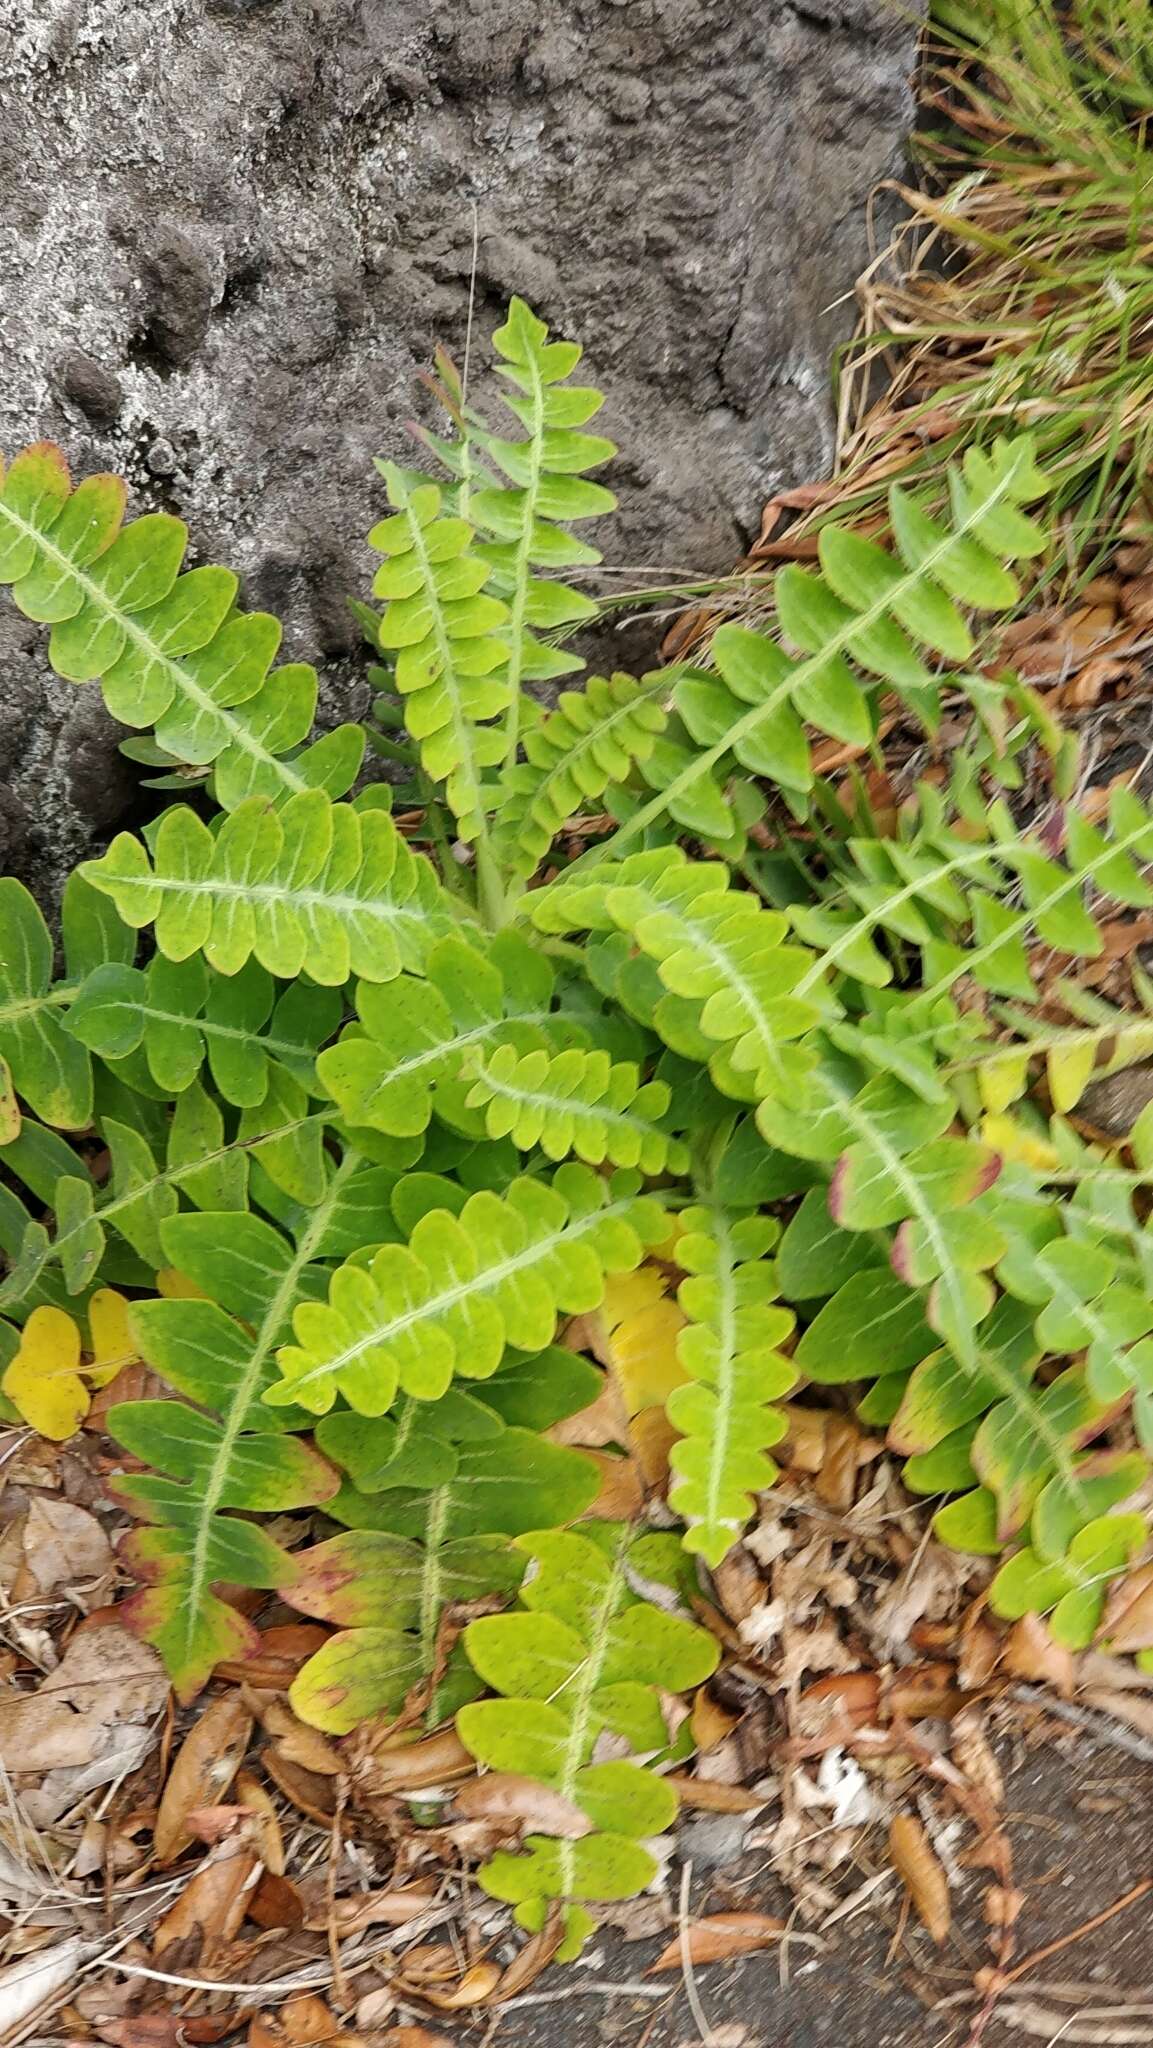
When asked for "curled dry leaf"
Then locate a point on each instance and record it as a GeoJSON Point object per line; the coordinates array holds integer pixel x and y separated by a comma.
{"type": "Point", "coordinates": [204, 1769]}
{"type": "Point", "coordinates": [309, 1792]}
{"type": "Point", "coordinates": [275, 1902]}
{"type": "Point", "coordinates": [413, 1766]}
{"type": "Point", "coordinates": [476, 1987]}
{"type": "Point", "coordinates": [1128, 1620]}
{"type": "Point", "coordinates": [166, 2030]}
{"type": "Point", "coordinates": [720, 1935]}
{"type": "Point", "coordinates": [522, 1802]}
{"type": "Point", "coordinates": [1030, 1652]}
{"type": "Point", "coordinates": [357, 1910]}
{"type": "Point", "coordinates": [59, 1545]}
{"type": "Point", "coordinates": [282, 1652]}
{"type": "Point", "coordinates": [295, 1741]}
{"type": "Point", "coordinates": [707, 1796]}
{"type": "Point", "coordinates": [258, 1802]}
{"type": "Point", "coordinates": [535, 1956]}
{"type": "Point", "coordinates": [305, 2022]}
{"type": "Point", "coordinates": [919, 1867]}
{"type": "Point", "coordinates": [973, 1753]}
{"type": "Point", "coordinates": [215, 1899]}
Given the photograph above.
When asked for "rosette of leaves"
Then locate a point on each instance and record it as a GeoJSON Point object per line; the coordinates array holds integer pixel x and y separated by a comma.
{"type": "Point", "coordinates": [586, 1655]}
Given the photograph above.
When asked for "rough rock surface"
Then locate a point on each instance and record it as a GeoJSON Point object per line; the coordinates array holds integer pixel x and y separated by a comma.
{"type": "Point", "coordinates": [231, 231]}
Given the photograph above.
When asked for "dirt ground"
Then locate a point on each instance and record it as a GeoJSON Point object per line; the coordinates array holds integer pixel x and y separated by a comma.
{"type": "Point", "coordinates": [1081, 1819]}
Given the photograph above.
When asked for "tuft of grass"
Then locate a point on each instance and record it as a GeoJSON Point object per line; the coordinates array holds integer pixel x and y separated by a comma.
{"type": "Point", "coordinates": [1016, 295]}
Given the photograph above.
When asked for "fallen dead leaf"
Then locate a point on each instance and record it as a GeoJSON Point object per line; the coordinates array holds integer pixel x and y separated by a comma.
{"type": "Point", "coordinates": [204, 1769]}
{"type": "Point", "coordinates": [257, 1800]}
{"type": "Point", "coordinates": [412, 1766]}
{"type": "Point", "coordinates": [1029, 1651]}
{"type": "Point", "coordinates": [275, 1902]}
{"type": "Point", "coordinates": [282, 1651]}
{"type": "Point", "coordinates": [305, 2022]}
{"type": "Point", "coordinates": [37, 1981]}
{"type": "Point", "coordinates": [534, 1957]}
{"type": "Point", "coordinates": [709, 1797]}
{"type": "Point", "coordinates": [357, 1910]}
{"type": "Point", "coordinates": [59, 1545]}
{"type": "Point", "coordinates": [523, 1802]}
{"type": "Point", "coordinates": [214, 1901]}
{"type": "Point", "coordinates": [167, 2030]}
{"type": "Point", "coordinates": [720, 1935]}
{"type": "Point", "coordinates": [476, 1987]}
{"type": "Point", "coordinates": [1128, 1619]}
{"type": "Point", "coordinates": [309, 1792]}
{"type": "Point", "coordinates": [90, 1721]}
{"type": "Point", "coordinates": [919, 1867]}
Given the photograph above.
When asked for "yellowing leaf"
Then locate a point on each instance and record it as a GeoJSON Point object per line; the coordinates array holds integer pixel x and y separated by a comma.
{"type": "Point", "coordinates": [50, 1381]}
{"type": "Point", "coordinates": [1069, 1069]}
{"type": "Point", "coordinates": [9, 1107]}
{"type": "Point", "coordinates": [112, 1346]}
{"type": "Point", "coordinates": [641, 1324]}
{"type": "Point", "coordinates": [1017, 1144]}
{"type": "Point", "coordinates": [174, 1286]}
{"type": "Point", "coordinates": [43, 1378]}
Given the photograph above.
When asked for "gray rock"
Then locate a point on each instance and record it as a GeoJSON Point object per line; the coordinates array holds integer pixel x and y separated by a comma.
{"type": "Point", "coordinates": [231, 232]}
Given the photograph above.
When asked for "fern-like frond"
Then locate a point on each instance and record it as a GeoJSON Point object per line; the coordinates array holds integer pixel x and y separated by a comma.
{"type": "Point", "coordinates": [170, 650]}
{"type": "Point", "coordinates": [411, 1044]}
{"type": "Point", "coordinates": [326, 889]}
{"type": "Point", "coordinates": [548, 483]}
{"type": "Point", "coordinates": [585, 1653]}
{"type": "Point", "coordinates": [227, 1451]}
{"type": "Point", "coordinates": [865, 623]}
{"type": "Point", "coordinates": [589, 743]}
{"type": "Point", "coordinates": [463, 1288]}
{"type": "Point", "coordinates": [48, 1068]}
{"type": "Point", "coordinates": [731, 1351]}
{"type": "Point", "coordinates": [731, 976]}
{"type": "Point", "coordinates": [158, 1025]}
{"type": "Point", "coordinates": [447, 636]}
{"type": "Point", "coordinates": [576, 1101]}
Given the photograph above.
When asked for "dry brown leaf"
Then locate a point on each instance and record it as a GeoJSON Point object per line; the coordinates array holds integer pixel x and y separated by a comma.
{"type": "Point", "coordinates": [973, 1752]}
{"type": "Point", "coordinates": [534, 1957]}
{"type": "Point", "coordinates": [36, 1981]}
{"type": "Point", "coordinates": [256, 1800]}
{"type": "Point", "coordinates": [476, 1987]}
{"type": "Point", "coordinates": [214, 1901]}
{"type": "Point", "coordinates": [411, 1766]}
{"type": "Point", "coordinates": [621, 1495]}
{"type": "Point", "coordinates": [1002, 1905]}
{"type": "Point", "coordinates": [92, 1720]}
{"type": "Point", "coordinates": [60, 1545]}
{"type": "Point", "coordinates": [305, 2022]}
{"type": "Point", "coordinates": [167, 2030]}
{"type": "Point", "coordinates": [204, 1769]}
{"type": "Point", "coordinates": [1128, 1619]}
{"type": "Point", "coordinates": [919, 1867]}
{"type": "Point", "coordinates": [309, 1792]}
{"type": "Point", "coordinates": [1135, 1712]}
{"type": "Point", "coordinates": [275, 1902]}
{"type": "Point", "coordinates": [709, 1721]}
{"type": "Point", "coordinates": [294, 1739]}
{"type": "Point", "coordinates": [520, 1802]}
{"type": "Point", "coordinates": [707, 1796]}
{"type": "Point", "coordinates": [357, 1910]}
{"type": "Point", "coordinates": [282, 1651]}
{"type": "Point", "coordinates": [1030, 1652]}
{"type": "Point", "coordinates": [720, 1935]}
{"type": "Point", "coordinates": [837, 1477]}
